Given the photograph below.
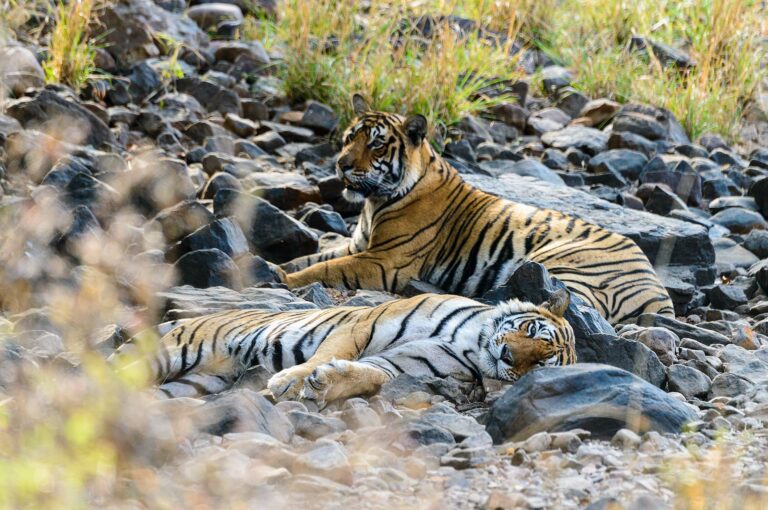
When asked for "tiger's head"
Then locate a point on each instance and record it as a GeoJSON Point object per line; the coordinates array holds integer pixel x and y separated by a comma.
{"type": "Point", "coordinates": [523, 336]}
{"type": "Point", "coordinates": [382, 153]}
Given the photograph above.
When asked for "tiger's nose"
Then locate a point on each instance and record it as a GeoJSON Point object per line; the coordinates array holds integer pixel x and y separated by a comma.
{"type": "Point", "coordinates": [506, 354]}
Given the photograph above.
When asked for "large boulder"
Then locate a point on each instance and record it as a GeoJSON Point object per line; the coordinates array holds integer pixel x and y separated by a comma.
{"type": "Point", "coordinates": [665, 241]}
{"type": "Point", "coordinates": [597, 398]}
{"type": "Point", "coordinates": [273, 234]}
{"type": "Point", "coordinates": [61, 118]}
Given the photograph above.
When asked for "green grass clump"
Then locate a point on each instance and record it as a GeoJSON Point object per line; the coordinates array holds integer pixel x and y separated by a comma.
{"type": "Point", "coordinates": [335, 48]}
{"type": "Point", "coordinates": [72, 51]}
{"type": "Point", "coordinates": [332, 48]}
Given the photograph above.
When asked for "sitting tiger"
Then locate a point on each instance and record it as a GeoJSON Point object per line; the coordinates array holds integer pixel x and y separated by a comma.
{"type": "Point", "coordinates": [421, 221]}
{"type": "Point", "coordinates": [330, 354]}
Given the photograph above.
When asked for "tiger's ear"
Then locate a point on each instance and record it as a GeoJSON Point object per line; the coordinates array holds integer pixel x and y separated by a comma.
{"type": "Point", "coordinates": [558, 302]}
{"type": "Point", "coordinates": [416, 128]}
{"type": "Point", "coordinates": [359, 104]}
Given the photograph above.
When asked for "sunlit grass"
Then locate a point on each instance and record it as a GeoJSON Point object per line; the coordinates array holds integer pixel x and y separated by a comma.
{"type": "Point", "coordinates": [72, 51]}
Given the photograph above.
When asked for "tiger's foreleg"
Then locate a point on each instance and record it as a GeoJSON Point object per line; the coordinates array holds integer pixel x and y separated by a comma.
{"type": "Point", "coordinates": [340, 379]}
{"type": "Point", "coordinates": [306, 261]}
{"type": "Point", "coordinates": [359, 271]}
{"type": "Point", "coordinates": [346, 343]}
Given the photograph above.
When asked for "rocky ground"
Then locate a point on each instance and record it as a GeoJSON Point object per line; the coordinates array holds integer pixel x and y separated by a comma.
{"type": "Point", "coordinates": [146, 198]}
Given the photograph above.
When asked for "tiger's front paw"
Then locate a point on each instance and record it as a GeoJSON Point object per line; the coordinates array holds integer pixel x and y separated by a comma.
{"type": "Point", "coordinates": [327, 382]}
{"type": "Point", "coordinates": [287, 385]}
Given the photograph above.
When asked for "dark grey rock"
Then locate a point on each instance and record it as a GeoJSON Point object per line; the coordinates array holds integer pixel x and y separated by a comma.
{"type": "Point", "coordinates": [739, 220]}
{"type": "Point", "coordinates": [670, 241]}
{"type": "Point", "coordinates": [327, 221]}
{"type": "Point", "coordinates": [319, 117]}
{"type": "Point", "coordinates": [639, 124]}
{"type": "Point", "coordinates": [628, 355]}
{"type": "Point", "coordinates": [729, 255]}
{"type": "Point", "coordinates": [688, 381]}
{"type": "Point", "coordinates": [212, 96]}
{"type": "Point", "coordinates": [405, 384]}
{"type": "Point", "coordinates": [555, 159]}
{"type": "Point", "coordinates": [631, 141]}
{"type": "Point", "coordinates": [208, 268]}
{"type": "Point", "coordinates": [597, 398]}
{"type": "Point", "coordinates": [314, 425]}
{"type": "Point", "coordinates": [409, 435]}
{"type": "Point", "coordinates": [663, 202]}
{"type": "Point", "coordinates": [682, 329]}
{"type": "Point", "coordinates": [182, 219]}
{"type": "Point", "coordinates": [666, 54]}
{"type": "Point", "coordinates": [759, 190]}
{"type": "Point", "coordinates": [19, 70]}
{"type": "Point", "coordinates": [222, 234]}
{"type": "Point", "coordinates": [273, 234]}
{"type": "Point", "coordinates": [726, 297]}
{"type": "Point", "coordinates": [210, 16]}
{"type": "Point", "coordinates": [729, 385]}
{"type": "Point", "coordinates": [218, 182]}
{"type": "Point", "coordinates": [49, 112]}
{"type": "Point", "coordinates": [626, 162]}
{"type": "Point", "coordinates": [757, 243]}
{"type": "Point", "coordinates": [587, 139]}
{"type": "Point", "coordinates": [242, 410]}
{"type": "Point", "coordinates": [526, 167]}
{"type": "Point", "coordinates": [315, 293]}
{"type": "Point", "coordinates": [555, 77]}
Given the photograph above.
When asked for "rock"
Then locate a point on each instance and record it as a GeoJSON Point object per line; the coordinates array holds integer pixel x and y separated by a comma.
{"type": "Point", "coordinates": [222, 234]}
{"type": "Point", "coordinates": [596, 398]}
{"type": "Point", "coordinates": [527, 167]}
{"type": "Point", "coordinates": [758, 190]}
{"type": "Point", "coordinates": [688, 381]}
{"type": "Point", "coordinates": [232, 51]}
{"type": "Point", "coordinates": [639, 124]}
{"type": "Point", "coordinates": [571, 101]}
{"type": "Point", "coordinates": [729, 385]}
{"type": "Point", "coordinates": [208, 268]}
{"type": "Point", "coordinates": [589, 140]}
{"type": "Point", "coordinates": [328, 459]}
{"type": "Point", "coordinates": [64, 120]}
{"type": "Point", "coordinates": [667, 55]}
{"type": "Point", "coordinates": [626, 439]}
{"type": "Point", "coordinates": [182, 219]}
{"type": "Point", "coordinates": [629, 355]}
{"type": "Point", "coordinates": [319, 117]}
{"type": "Point", "coordinates": [327, 221]}
{"type": "Point", "coordinates": [632, 141]}
{"type": "Point", "coordinates": [555, 77]}
{"type": "Point", "coordinates": [664, 240]}
{"type": "Point", "coordinates": [744, 363]}
{"type": "Point", "coordinates": [137, 27]}
{"type": "Point", "coordinates": [723, 203]}
{"type": "Point", "coordinates": [313, 425]}
{"type": "Point", "coordinates": [212, 96]}
{"type": "Point", "coordinates": [660, 340]}
{"type": "Point", "coordinates": [210, 16]}
{"type": "Point", "coordinates": [625, 162]}
{"type": "Point", "coordinates": [739, 220]}
{"type": "Point", "coordinates": [686, 185]}
{"type": "Point", "coordinates": [218, 182]}
{"type": "Point", "coordinates": [729, 255]}
{"type": "Point", "coordinates": [598, 111]}
{"type": "Point", "coordinates": [727, 297]}
{"type": "Point", "coordinates": [19, 71]}
{"type": "Point", "coordinates": [554, 159]}
{"type": "Point", "coordinates": [662, 201]}
{"type": "Point", "coordinates": [757, 243]}
{"type": "Point", "coordinates": [360, 417]}
{"type": "Point", "coordinates": [682, 329]}
{"type": "Point", "coordinates": [405, 384]}
{"type": "Point", "coordinates": [273, 234]}
{"type": "Point", "coordinates": [409, 435]}
{"type": "Point", "coordinates": [241, 410]}
{"type": "Point", "coordinates": [315, 293]}
{"type": "Point", "coordinates": [511, 114]}
{"type": "Point", "coordinates": [445, 417]}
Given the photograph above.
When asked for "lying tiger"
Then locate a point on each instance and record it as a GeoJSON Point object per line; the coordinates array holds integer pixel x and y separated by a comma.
{"type": "Point", "coordinates": [421, 221]}
{"type": "Point", "coordinates": [330, 354]}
